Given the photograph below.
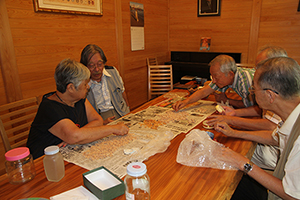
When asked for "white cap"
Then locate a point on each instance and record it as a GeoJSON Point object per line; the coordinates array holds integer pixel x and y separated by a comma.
{"type": "Point", "coordinates": [136, 169]}
{"type": "Point", "coordinates": [51, 150]}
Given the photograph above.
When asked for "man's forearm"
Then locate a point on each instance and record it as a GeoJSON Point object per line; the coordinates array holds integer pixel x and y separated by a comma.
{"type": "Point", "coordinates": [263, 137]}
{"type": "Point", "coordinates": [236, 103]}
{"type": "Point", "coordinates": [253, 124]}
{"type": "Point", "coordinates": [269, 181]}
{"type": "Point", "coordinates": [252, 111]}
{"type": "Point", "coordinates": [200, 94]}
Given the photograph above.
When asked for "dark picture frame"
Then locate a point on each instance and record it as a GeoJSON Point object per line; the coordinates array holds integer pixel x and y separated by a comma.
{"type": "Point", "coordinates": [299, 6]}
{"type": "Point", "coordinates": [209, 8]}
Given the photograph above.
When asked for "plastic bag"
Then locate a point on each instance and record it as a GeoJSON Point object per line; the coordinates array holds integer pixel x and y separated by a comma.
{"type": "Point", "coordinates": [157, 145]}
{"type": "Point", "coordinates": [197, 149]}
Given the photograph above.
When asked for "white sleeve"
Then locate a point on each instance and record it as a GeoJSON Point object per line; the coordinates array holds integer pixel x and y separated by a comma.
{"type": "Point", "coordinates": [291, 180]}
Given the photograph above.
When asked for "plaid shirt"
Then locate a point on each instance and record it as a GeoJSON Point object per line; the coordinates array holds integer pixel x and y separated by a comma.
{"type": "Point", "coordinates": [241, 84]}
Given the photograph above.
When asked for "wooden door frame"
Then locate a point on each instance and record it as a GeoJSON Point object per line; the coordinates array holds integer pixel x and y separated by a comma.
{"type": "Point", "coordinates": [119, 36]}
{"type": "Point", "coordinates": [8, 63]}
{"type": "Point", "coordinates": [254, 31]}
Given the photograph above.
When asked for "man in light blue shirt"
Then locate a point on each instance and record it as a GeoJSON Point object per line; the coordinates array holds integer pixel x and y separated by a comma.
{"type": "Point", "coordinates": [107, 93]}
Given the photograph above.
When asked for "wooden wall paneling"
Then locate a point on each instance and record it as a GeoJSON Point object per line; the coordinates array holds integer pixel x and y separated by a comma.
{"type": "Point", "coordinates": [136, 78]}
{"type": "Point", "coordinates": [10, 75]}
{"type": "Point", "coordinates": [2, 90]}
{"type": "Point", "coordinates": [156, 44]}
{"type": "Point", "coordinates": [2, 101]}
{"type": "Point", "coordinates": [119, 36]}
{"type": "Point", "coordinates": [168, 41]}
{"type": "Point", "coordinates": [280, 25]}
{"type": "Point", "coordinates": [136, 86]}
{"type": "Point", "coordinates": [42, 40]}
{"type": "Point", "coordinates": [254, 31]}
{"type": "Point", "coordinates": [243, 26]}
{"type": "Point", "coordinates": [35, 87]}
{"type": "Point", "coordinates": [229, 31]}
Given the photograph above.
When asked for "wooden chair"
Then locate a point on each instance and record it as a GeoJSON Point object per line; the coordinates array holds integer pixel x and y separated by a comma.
{"type": "Point", "coordinates": [160, 80]}
{"type": "Point", "coordinates": [15, 122]}
{"type": "Point", "coordinates": [152, 61]}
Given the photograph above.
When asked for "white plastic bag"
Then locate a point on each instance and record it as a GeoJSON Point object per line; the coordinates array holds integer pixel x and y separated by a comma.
{"type": "Point", "coordinates": [157, 145]}
{"type": "Point", "coordinates": [197, 149]}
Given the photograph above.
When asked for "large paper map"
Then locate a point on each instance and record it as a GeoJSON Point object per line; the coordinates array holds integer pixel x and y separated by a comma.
{"type": "Point", "coordinates": [150, 132]}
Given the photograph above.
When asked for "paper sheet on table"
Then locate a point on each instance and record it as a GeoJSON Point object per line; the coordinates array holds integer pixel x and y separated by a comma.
{"type": "Point", "coordinates": [79, 193]}
{"type": "Point", "coordinates": [146, 144]}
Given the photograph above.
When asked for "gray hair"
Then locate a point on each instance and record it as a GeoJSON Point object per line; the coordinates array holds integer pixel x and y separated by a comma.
{"type": "Point", "coordinates": [89, 51]}
{"type": "Point", "coordinates": [226, 63]}
{"type": "Point", "coordinates": [70, 71]}
{"type": "Point", "coordinates": [281, 74]}
{"type": "Point", "coordinates": [273, 51]}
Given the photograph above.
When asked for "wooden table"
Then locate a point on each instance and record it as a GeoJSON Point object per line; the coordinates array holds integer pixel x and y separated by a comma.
{"type": "Point", "coordinates": [168, 179]}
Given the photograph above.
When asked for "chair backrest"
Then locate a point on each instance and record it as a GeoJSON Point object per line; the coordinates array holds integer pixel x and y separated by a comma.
{"type": "Point", "coordinates": [160, 80]}
{"type": "Point", "coordinates": [245, 65]}
{"type": "Point", "coordinates": [15, 122]}
{"type": "Point", "coordinates": [152, 61]}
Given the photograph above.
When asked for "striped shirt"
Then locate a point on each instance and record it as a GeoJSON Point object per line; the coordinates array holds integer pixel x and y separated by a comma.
{"type": "Point", "coordinates": [241, 84]}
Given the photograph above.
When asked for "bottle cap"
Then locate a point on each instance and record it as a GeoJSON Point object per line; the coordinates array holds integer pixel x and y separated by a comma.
{"type": "Point", "coordinates": [136, 169]}
{"type": "Point", "coordinates": [51, 150]}
{"type": "Point", "coordinates": [17, 153]}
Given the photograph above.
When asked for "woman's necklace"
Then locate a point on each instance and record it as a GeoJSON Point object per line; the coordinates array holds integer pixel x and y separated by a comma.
{"type": "Point", "coordinates": [60, 99]}
{"type": "Point", "coordinates": [74, 111]}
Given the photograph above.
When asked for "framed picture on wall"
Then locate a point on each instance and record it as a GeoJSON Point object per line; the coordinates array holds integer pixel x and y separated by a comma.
{"type": "Point", "coordinates": [299, 7]}
{"type": "Point", "coordinates": [91, 7]}
{"type": "Point", "coordinates": [208, 8]}
{"type": "Point", "coordinates": [205, 43]}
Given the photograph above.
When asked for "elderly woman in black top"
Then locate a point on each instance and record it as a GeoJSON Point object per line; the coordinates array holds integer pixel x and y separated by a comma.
{"type": "Point", "coordinates": [65, 116]}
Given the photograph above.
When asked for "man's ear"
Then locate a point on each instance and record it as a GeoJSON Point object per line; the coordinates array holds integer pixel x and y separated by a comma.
{"type": "Point", "coordinates": [271, 95]}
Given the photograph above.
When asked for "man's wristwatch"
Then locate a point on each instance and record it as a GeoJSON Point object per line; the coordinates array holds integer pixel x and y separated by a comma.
{"type": "Point", "coordinates": [248, 167]}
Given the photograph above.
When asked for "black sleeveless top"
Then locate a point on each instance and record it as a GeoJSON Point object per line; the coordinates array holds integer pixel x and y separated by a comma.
{"type": "Point", "coordinates": [49, 113]}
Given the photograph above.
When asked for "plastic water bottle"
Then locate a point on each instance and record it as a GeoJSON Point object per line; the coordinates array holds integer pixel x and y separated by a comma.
{"type": "Point", "coordinates": [137, 182]}
{"type": "Point", "coordinates": [54, 164]}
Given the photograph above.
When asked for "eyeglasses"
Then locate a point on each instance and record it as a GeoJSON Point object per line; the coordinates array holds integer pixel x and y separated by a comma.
{"type": "Point", "coordinates": [271, 90]}
{"type": "Point", "coordinates": [93, 66]}
{"type": "Point", "coordinates": [252, 90]}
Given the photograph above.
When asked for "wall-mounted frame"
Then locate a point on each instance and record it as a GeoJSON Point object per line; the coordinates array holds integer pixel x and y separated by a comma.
{"type": "Point", "coordinates": [90, 7]}
{"type": "Point", "coordinates": [299, 7]}
{"type": "Point", "coordinates": [208, 8]}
